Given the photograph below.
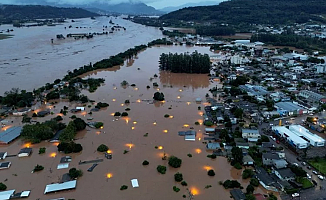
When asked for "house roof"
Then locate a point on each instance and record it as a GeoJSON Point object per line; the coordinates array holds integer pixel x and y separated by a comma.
{"type": "Point", "coordinates": [6, 194]}
{"type": "Point", "coordinates": [271, 156]}
{"type": "Point", "coordinates": [3, 155]}
{"type": "Point", "coordinates": [5, 164]}
{"type": "Point", "coordinates": [213, 146]}
{"type": "Point", "coordinates": [10, 134]}
{"type": "Point", "coordinates": [253, 131]}
{"type": "Point", "coordinates": [263, 176]}
{"type": "Point", "coordinates": [60, 186]}
{"type": "Point", "coordinates": [286, 172]}
{"type": "Point", "coordinates": [237, 194]}
{"type": "Point", "coordinates": [247, 159]}
{"type": "Point", "coordinates": [26, 150]}
{"type": "Point", "coordinates": [65, 159]}
{"type": "Point", "coordinates": [56, 136]}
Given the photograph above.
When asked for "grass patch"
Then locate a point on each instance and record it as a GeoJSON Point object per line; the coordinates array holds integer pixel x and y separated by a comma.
{"type": "Point", "coordinates": [319, 164]}
{"type": "Point", "coordinates": [305, 182]}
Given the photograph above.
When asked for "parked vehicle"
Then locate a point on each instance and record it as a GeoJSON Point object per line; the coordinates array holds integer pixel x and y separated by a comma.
{"type": "Point", "coordinates": [315, 172]}
{"type": "Point", "coordinates": [308, 167]}
{"type": "Point", "coordinates": [304, 163]}
{"type": "Point", "coordinates": [320, 177]}
{"type": "Point", "coordinates": [296, 164]}
{"type": "Point", "coordinates": [295, 195]}
{"type": "Point", "coordinates": [308, 176]}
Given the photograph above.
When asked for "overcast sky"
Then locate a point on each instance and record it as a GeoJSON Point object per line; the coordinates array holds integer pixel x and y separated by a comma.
{"type": "Point", "coordinates": [155, 3]}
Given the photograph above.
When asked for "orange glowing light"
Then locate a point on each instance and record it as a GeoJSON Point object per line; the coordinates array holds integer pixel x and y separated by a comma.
{"type": "Point", "coordinates": [198, 151]}
{"type": "Point", "coordinates": [207, 168]}
{"type": "Point", "coordinates": [178, 97]}
{"type": "Point", "coordinates": [130, 145]}
{"type": "Point", "coordinates": [138, 100]}
{"type": "Point", "coordinates": [171, 117]}
{"type": "Point", "coordinates": [132, 128]}
{"type": "Point", "coordinates": [154, 123]}
{"type": "Point", "coordinates": [101, 127]}
{"type": "Point", "coordinates": [134, 122]}
{"type": "Point", "coordinates": [28, 145]}
{"type": "Point", "coordinates": [83, 113]}
{"type": "Point", "coordinates": [200, 113]}
{"type": "Point", "coordinates": [115, 88]}
{"type": "Point", "coordinates": [135, 89]}
{"type": "Point", "coordinates": [112, 114]}
{"type": "Point", "coordinates": [180, 90]}
{"type": "Point", "coordinates": [199, 139]}
{"type": "Point", "coordinates": [108, 151]}
{"type": "Point", "coordinates": [165, 131]}
{"type": "Point", "coordinates": [158, 89]}
{"type": "Point", "coordinates": [60, 114]}
{"type": "Point", "coordinates": [56, 144]}
{"type": "Point", "coordinates": [109, 175]}
{"type": "Point", "coordinates": [113, 100]}
{"type": "Point", "coordinates": [98, 132]}
{"type": "Point", "coordinates": [160, 147]}
{"type": "Point", "coordinates": [186, 125]}
{"type": "Point", "coordinates": [122, 104]}
{"type": "Point", "coordinates": [53, 155]}
{"type": "Point", "coordinates": [194, 191]}
{"type": "Point", "coordinates": [188, 103]}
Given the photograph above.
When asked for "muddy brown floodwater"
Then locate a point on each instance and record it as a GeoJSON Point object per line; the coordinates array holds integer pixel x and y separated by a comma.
{"type": "Point", "coordinates": [127, 133]}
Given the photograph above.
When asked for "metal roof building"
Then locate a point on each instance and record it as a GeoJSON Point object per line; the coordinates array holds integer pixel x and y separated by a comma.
{"type": "Point", "coordinates": [6, 194]}
{"type": "Point", "coordinates": [304, 133]}
{"type": "Point", "coordinates": [291, 137]}
{"type": "Point", "coordinates": [10, 134]}
{"type": "Point", "coordinates": [60, 186]}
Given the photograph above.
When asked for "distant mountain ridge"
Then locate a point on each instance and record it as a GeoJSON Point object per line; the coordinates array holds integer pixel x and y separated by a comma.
{"type": "Point", "coordinates": [253, 12]}
{"type": "Point", "coordinates": [11, 13]}
{"type": "Point", "coordinates": [204, 3]}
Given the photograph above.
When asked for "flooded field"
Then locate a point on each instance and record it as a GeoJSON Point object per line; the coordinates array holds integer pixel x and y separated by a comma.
{"type": "Point", "coordinates": [29, 60]}
{"type": "Point", "coordinates": [127, 133]}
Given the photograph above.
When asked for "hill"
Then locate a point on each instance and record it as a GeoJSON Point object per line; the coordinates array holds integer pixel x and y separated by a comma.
{"type": "Point", "coordinates": [129, 8]}
{"type": "Point", "coordinates": [204, 3]}
{"type": "Point", "coordinates": [9, 13]}
{"type": "Point", "coordinates": [253, 12]}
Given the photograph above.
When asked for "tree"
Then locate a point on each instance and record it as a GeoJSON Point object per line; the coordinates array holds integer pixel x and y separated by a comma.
{"type": "Point", "coordinates": [184, 183]}
{"type": "Point", "coordinates": [102, 148]}
{"type": "Point", "coordinates": [231, 184]}
{"type": "Point", "coordinates": [38, 168]}
{"type": "Point", "coordinates": [250, 189]}
{"type": "Point", "coordinates": [41, 150]}
{"type": "Point", "coordinates": [247, 173]}
{"type": "Point", "coordinates": [99, 125]}
{"type": "Point", "coordinates": [79, 124]}
{"type": "Point", "coordinates": [69, 147]}
{"type": "Point", "coordinates": [178, 177]}
{"type": "Point", "coordinates": [145, 162]}
{"type": "Point", "coordinates": [264, 138]}
{"type": "Point", "coordinates": [117, 114]}
{"type": "Point", "coordinates": [68, 133]}
{"type": "Point", "coordinates": [158, 96]}
{"type": "Point", "coordinates": [123, 187]}
{"type": "Point", "coordinates": [175, 162]}
{"type": "Point", "coordinates": [250, 197]}
{"type": "Point", "coordinates": [254, 182]}
{"type": "Point", "coordinates": [124, 114]}
{"type": "Point", "coordinates": [237, 154]}
{"type": "Point", "coordinates": [211, 173]}
{"type": "Point", "coordinates": [74, 173]}
{"type": "Point", "coordinates": [2, 187]}
{"type": "Point", "coordinates": [37, 132]}
{"type": "Point", "coordinates": [161, 169]}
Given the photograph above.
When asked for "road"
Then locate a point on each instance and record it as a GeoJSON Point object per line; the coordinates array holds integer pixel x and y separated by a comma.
{"type": "Point", "coordinates": [316, 193]}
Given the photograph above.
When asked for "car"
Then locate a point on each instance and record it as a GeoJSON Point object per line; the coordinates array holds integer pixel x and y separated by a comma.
{"type": "Point", "coordinates": [295, 195]}
{"type": "Point", "coordinates": [320, 177]}
{"type": "Point", "coordinates": [292, 118]}
{"type": "Point", "coordinates": [271, 124]}
{"type": "Point", "coordinates": [296, 164]}
{"type": "Point", "coordinates": [314, 182]}
{"type": "Point", "coordinates": [304, 163]}
{"type": "Point", "coordinates": [272, 138]}
{"type": "Point", "coordinates": [315, 172]}
{"type": "Point", "coordinates": [308, 176]}
{"type": "Point", "coordinates": [308, 167]}
{"type": "Point", "coordinates": [311, 114]}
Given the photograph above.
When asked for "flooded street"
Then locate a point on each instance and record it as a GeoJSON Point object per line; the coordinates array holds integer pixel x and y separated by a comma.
{"type": "Point", "coordinates": [29, 59]}
{"type": "Point", "coordinates": [127, 133]}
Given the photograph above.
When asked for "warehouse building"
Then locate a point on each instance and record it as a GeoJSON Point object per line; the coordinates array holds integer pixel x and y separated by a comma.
{"type": "Point", "coordinates": [304, 133]}
{"type": "Point", "coordinates": [290, 137]}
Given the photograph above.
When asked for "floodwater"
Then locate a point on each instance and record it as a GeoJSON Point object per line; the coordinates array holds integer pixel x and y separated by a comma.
{"type": "Point", "coordinates": [29, 59]}
{"type": "Point", "coordinates": [127, 133]}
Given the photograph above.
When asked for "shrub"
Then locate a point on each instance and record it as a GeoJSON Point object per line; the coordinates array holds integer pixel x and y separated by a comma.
{"type": "Point", "coordinates": [254, 182]}
{"type": "Point", "coordinates": [117, 114]}
{"type": "Point", "coordinates": [184, 183]}
{"type": "Point", "coordinates": [176, 189]}
{"type": "Point", "coordinates": [175, 161]}
{"type": "Point", "coordinates": [148, 86]}
{"type": "Point", "coordinates": [124, 187]}
{"type": "Point", "coordinates": [166, 115]}
{"type": "Point", "coordinates": [250, 189]}
{"type": "Point", "coordinates": [184, 196]}
{"type": "Point", "coordinates": [41, 150]}
{"type": "Point", "coordinates": [146, 134]}
{"type": "Point", "coordinates": [189, 155]}
{"type": "Point", "coordinates": [124, 114]}
{"type": "Point", "coordinates": [38, 168]}
{"type": "Point", "coordinates": [237, 166]}
{"type": "Point", "coordinates": [98, 124]}
{"type": "Point", "coordinates": [197, 123]}
{"type": "Point", "coordinates": [161, 169]}
{"type": "Point", "coordinates": [158, 96]}
{"type": "Point", "coordinates": [2, 187]}
{"type": "Point", "coordinates": [73, 117]}
{"type": "Point", "coordinates": [127, 109]}
{"type": "Point", "coordinates": [34, 115]}
{"type": "Point", "coordinates": [145, 162]}
{"type": "Point", "coordinates": [178, 177]}
{"type": "Point", "coordinates": [155, 84]}
{"type": "Point", "coordinates": [102, 105]}
{"type": "Point", "coordinates": [212, 156]}
{"type": "Point", "coordinates": [74, 173]}
{"type": "Point", "coordinates": [80, 124]}
{"type": "Point", "coordinates": [102, 148]}
{"type": "Point", "coordinates": [127, 101]}
{"type": "Point", "coordinates": [208, 186]}
{"type": "Point", "coordinates": [58, 118]}
{"type": "Point", "coordinates": [125, 151]}
{"type": "Point", "coordinates": [211, 173]}
{"type": "Point", "coordinates": [208, 123]}
{"type": "Point", "coordinates": [124, 83]}
{"type": "Point", "coordinates": [69, 147]}
{"type": "Point", "coordinates": [231, 184]}
{"type": "Point", "coordinates": [247, 173]}
{"type": "Point", "coordinates": [133, 85]}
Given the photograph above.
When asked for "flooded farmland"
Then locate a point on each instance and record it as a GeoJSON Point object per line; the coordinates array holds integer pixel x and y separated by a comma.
{"type": "Point", "coordinates": [28, 60]}
{"type": "Point", "coordinates": [128, 133]}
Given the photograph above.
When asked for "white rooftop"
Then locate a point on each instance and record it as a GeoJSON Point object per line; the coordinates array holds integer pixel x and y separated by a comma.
{"type": "Point", "coordinates": [134, 183]}
{"type": "Point", "coordinates": [6, 194]}
{"type": "Point", "coordinates": [302, 131]}
{"type": "Point", "coordinates": [60, 186]}
{"type": "Point", "coordinates": [290, 135]}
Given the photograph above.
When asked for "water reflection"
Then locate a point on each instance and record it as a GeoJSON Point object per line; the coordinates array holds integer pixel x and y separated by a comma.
{"type": "Point", "coordinates": [193, 81]}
